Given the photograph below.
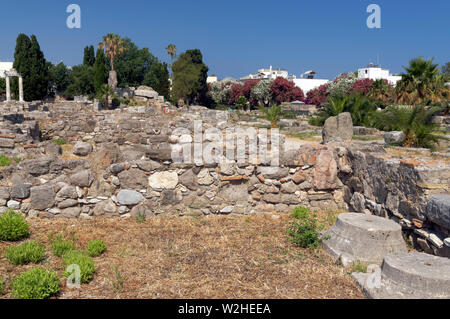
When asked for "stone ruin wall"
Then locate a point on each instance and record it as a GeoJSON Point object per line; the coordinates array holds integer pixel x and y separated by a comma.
{"type": "Point", "coordinates": [124, 169]}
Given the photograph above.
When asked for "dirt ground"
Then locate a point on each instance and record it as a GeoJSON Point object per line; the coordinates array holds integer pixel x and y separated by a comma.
{"type": "Point", "coordinates": [222, 257]}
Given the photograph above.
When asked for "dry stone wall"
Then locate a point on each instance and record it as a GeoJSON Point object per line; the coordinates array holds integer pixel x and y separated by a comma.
{"type": "Point", "coordinates": [119, 164]}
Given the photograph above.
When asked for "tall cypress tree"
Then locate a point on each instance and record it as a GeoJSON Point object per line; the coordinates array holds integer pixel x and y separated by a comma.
{"type": "Point", "coordinates": [100, 70]}
{"type": "Point", "coordinates": [39, 71]}
{"type": "Point", "coordinates": [89, 56]}
{"type": "Point", "coordinates": [29, 61]}
{"type": "Point", "coordinates": [22, 65]}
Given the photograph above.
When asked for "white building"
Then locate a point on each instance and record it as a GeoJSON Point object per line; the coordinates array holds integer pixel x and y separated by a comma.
{"type": "Point", "coordinates": [4, 67]}
{"type": "Point", "coordinates": [375, 72]}
{"type": "Point", "coordinates": [306, 84]}
{"type": "Point", "coordinates": [211, 79]}
{"type": "Point", "coordinates": [267, 74]}
{"type": "Point", "coordinates": [309, 84]}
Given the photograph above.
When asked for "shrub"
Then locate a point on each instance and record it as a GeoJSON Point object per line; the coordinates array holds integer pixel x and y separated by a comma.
{"type": "Point", "coordinates": [60, 246]}
{"type": "Point", "coordinates": [95, 248]}
{"type": "Point", "coordinates": [300, 212]}
{"type": "Point", "coordinates": [13, 226]}
{"type": "Point", "coordinates": [304, 230]}
{"type": "Point", "coordinates": [86, 264]}
{"type": "Point", "coordinates": [25, 253]}
{"type": "Point", "coordinates": [415, 122]}
{"type": "Point", "coordinates": [317, 96]}
{"type": "Point", "coordinates": [284, 90]}
{"type": "Point", "coordinates": [37, 283]}
{"type": "Point", "coordinates": [5, 160]}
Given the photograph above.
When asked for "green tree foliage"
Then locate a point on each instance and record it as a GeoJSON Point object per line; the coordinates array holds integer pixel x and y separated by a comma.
{"type": "Point", "coordinates": [89, 56]}
{"type": "Point", "coordinates": [157, 77]}
{"type": "Point", "coordinates": [189, 77]}
{"type": "Point", "coordinates": [60, 77]}
{"type": "Point", "coordinates": [421, 84]}
{"type": "Point", "coordinates": [83, 81]}
{"type": "Point", "coordinates": [100, 71]}
{"type": "Point", "coordinates": [29, 61]}
{"type": "Point", "coordinates": [132, 64]}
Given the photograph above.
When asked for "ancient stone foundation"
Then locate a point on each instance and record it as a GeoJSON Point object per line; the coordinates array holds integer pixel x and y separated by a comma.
{"type": "Point", "coordinates": [120, 164]}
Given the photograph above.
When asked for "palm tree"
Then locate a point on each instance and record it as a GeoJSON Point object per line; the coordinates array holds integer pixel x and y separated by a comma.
{"type": "Point", "coordinates": [417, 82]}
{"type": "Point", "coordinates": [273, 115]}
{"type": "Point", "coordinates": [381, 91]}
{"type": "Point", "coordinates": [414, 122]}
{"type": "Point", "coordinates": [105, 93]}
{"type": "Point", "coordinates": [113, 46]}
{"type": "Point", "coordinates": [172, 50]}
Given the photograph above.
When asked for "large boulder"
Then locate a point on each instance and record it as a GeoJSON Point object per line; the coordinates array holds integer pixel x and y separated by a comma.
{"type": "Point", "coordinates": [163, 180]}
{"type": "Point", "coordinates": [133, 179]}
{"type": "Point", "coordinates": [325, 171]}
{"type": "Point", "coordinates": [147, 92]}
{"type": "Point", "coordinates": [438, 210]}
{"type": "Point", "coordinates": [338, 128]}
{"type": "Point", "coordinates": [42, 197]}
{"type": "Point", "coordinates": [82, 149]}
{"type": "Point", "coordinates": [82, 179]}
{"type": "Point", "coordinates": [189, 179]}
{"type": "Point", "coordinates": [128, 197]}
{"type": "Point", "coordinates": [394, 137]}
{"type": "Point", "coordinates": [21, 191]}
{"type": "Point", "coordinates": [36, 167]}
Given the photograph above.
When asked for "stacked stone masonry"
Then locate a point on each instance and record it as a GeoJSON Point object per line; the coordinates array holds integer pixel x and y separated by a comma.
{"type": "Point", "coordinates": [119, 164]}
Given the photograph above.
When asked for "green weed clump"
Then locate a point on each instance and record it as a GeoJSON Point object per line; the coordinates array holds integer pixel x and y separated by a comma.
{"type": "Point", "coordinates": [86, 264]}
{"type": "Point", "coordinates": [37, 283]}
{"type": "Point", "coordinates": [60, 247]}
{"type": "Point", "coordinates": [95, 248]}
{"type": "Point", "coordinates": [13, 226]}
{"type": "Point", "coordinates": [304, 231]}
{"type": "Point", "coordinates": [26, 253]}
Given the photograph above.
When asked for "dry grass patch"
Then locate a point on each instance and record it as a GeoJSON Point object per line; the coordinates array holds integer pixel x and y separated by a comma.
{"type": "Point", "coordinates": [216, 257]}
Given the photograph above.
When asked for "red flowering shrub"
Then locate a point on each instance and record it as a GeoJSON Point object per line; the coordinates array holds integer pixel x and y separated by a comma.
{"type": "Point", "coordinates": [318, 96]}
{"type": "Point", "coordinates": [236, 92]}
{"type": "Point", "coordinates": [284, 90]}
{"type": "Point", "coordinates": [247, 90]}
{"type": "Point", "coordinates": [362, 86]}
{"type": "Point", "coordinates": [297, 94]}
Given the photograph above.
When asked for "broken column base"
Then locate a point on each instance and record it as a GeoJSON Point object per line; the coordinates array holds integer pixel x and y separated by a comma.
{"type": "Point", "coordinates": [407, 276]}
{"type": "Point", "coordinates": [365, 238]}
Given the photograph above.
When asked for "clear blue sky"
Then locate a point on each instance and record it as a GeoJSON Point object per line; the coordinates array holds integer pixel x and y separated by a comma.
{"type": "Point", "coordinates": [237, 37]}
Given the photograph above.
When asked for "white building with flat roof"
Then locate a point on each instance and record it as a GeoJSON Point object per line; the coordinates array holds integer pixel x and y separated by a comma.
{"type": "Point", "coordinates": [4, 67]}
{"type": "Point", "coordinates": [266, 74]}
{"type": "Point", "coordinates": [375, 72]}
{"type": "Point", "coordinates": [306, 82]}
